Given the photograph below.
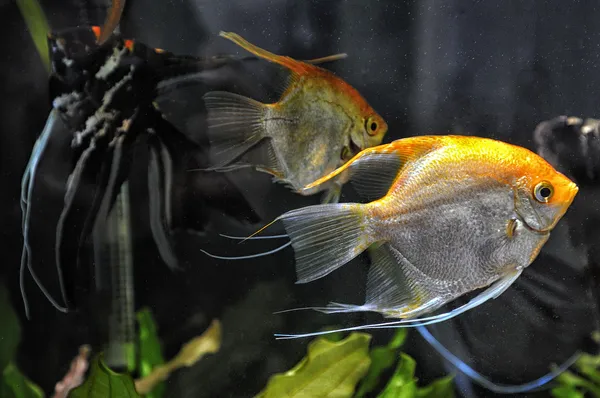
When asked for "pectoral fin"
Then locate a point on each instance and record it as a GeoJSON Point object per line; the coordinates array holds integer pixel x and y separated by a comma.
{"type": "Point", "coordinates": [373, 171]}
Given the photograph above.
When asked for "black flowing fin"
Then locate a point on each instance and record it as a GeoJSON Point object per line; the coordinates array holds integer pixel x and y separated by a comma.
{"type": "Point", "coordinates": [68, 229]}
{"type": "Point", "coordinates": [160, 169]}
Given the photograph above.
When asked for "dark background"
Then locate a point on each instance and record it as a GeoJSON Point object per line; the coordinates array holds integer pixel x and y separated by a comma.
{"type": "Point", "coordinates": [494, 69]}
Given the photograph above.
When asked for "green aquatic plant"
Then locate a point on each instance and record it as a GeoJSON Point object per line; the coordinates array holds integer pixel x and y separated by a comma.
{"type": "Point", "coordinates": [13, 384]}
{"type": "Point", "coordinates": [382, 358]}
{"type": "Point", "coordinates": [38, 27]}
{"type": "Point", "coordinates": [334, 368]}
{"type": "Point", "coordinates": [403, 384]}
{"type": "Point", "coordinates": [208, 342]}
{"type": "Point", "coordinates": [150, 350]}
{"type": "Point", "coordinates": [329, 369]}
{"type": "Point", "coordinates": [102, 382]}
{"type": "Point", "coordinates": [583, 381]}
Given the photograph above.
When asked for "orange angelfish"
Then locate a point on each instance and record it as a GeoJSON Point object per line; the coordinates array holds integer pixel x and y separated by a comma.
{"type": "Point", "coordinates": [318, 124]}
{"type": "Point", "coordinates": [446, 215]}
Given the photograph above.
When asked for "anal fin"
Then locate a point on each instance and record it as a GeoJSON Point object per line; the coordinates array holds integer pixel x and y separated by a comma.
{"type": "Point", "coordinates": [491, 292]}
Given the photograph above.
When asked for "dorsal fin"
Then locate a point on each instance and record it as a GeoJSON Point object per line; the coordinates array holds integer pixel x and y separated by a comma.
{"type": "Point", "coordinates": [295, 66]}
{"type": "Point", "coordinates": [374, 170]}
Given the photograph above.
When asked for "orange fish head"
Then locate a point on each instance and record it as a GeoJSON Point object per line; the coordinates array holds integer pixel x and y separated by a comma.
{"type": "Point", "coordinates": [544, 195]}
{"type": "Point", "coordinates": [368, 132]}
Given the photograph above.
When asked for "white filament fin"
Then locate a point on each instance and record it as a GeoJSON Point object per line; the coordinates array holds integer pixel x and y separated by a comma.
{"type": "Point", "coordinates": [248, 256]}
{"type": "Point", "coordinates": [491, 292]}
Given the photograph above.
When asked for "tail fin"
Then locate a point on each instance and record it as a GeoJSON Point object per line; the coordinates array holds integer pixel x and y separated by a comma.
{"type": "Point", "coordinates": [325, 237]}
{"type": "Point", "coordinates": [235, 124]}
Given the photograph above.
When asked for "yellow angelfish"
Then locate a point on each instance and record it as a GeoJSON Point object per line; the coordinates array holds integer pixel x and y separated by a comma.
{"type": "Point", "coordinates": [318, 124]}
{"type": "Point", "coordinates": [446, 215]}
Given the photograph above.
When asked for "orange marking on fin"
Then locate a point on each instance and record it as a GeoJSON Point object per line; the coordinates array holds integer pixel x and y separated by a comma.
{"type": "Point", "coordinates": [295, 66]}
{"type": "Point", "coordinates": [407, 149]}
{"type": "Point", "coordinates": [260, 230]}
{"type": "Point", "coordinates": [345, 166]}
{"type": "Point", "coordinates": [129, 44]}
{"type": "Point", "coordinates": [329, 58]}
{"type": "Point", "coordinates": [96, 30]}
{"type": "Point", "coordinates": [112, 20]}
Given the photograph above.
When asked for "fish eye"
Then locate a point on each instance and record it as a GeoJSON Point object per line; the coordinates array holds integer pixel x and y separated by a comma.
{"type": "Point", "coordinates": [371, 126]}
{"type": "Point", "coordinates": [543, 191]}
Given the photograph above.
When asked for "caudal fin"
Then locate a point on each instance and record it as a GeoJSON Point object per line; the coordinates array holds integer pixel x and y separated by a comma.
{"type": "Point", "coordinates": [235, 124]}
{"type": "Point", "coordinates": [325, 237]}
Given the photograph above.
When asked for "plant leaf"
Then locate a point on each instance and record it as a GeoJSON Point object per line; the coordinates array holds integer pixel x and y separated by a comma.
{"type": "Point", "coordinates": [10, 332]}
{"type": "Point", "coordinates": [15, 385]}
{"type": "Point", "coordinates": [102, 382]}
{"type": "Point", "coordinates": [382, 358]}
{"type": "Point", "coordinates": [571, 379]}
{"type": "Point", "coordinates": [403, 383]}
{"type": "Point", "coordinates": [150, 350]}
{"type": "Point", "coordinates": [38, 27]}
{"type": "Point", "coordinates": [330, 369]}
{"type": "Point", "coordinates": [566, 392]}
{"type": "Point", "coordinates": [207, 343]}
{"type": "Point", "coordinates": [441, 388]}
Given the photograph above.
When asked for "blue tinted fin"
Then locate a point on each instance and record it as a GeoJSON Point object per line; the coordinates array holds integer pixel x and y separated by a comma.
{"type": "Point", "coordinates": [535, 385]}
{"type": "Point", "coordinates": [493, 291]}
{"type": "Point", "coordinates": [27, 185]}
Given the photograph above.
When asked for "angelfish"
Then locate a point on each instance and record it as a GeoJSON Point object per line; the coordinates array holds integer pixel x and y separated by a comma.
{"type": "Point", "coordinates": [317, 125]}
{"type": "Point", "coordinates": [445, 215]}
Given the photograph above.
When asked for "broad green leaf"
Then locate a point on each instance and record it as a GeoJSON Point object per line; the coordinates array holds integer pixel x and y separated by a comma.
{"type": "Point", "coordinates": [150, 350]}
{"type": "Point", "coordinates": [207, 343]}
{"type": "Point", "coordinates": [571, 379]}
{"type": "Point", "coordinates": [10, 332]}
{"type": "Point", "coordinates": [398, 339]}
{"type": "Point", "coordinates": [566, 392]}
{"type": "Point", "coordinates": [403, 383]}
{"type": "Point", "coordinates": [330, 369]}
{"type": "Point", "coordinates": [102, 382]}
{"type": "Point", "coordinates": [589, 360]}
{"type": "Point", "coordinates": [591, 373]}
{"type": "Point", "coordinates": [38, 27]}
{"type": "Point", "coordinates": [382, 358]}
{"type": "Point", "coordinates": [15, 385]}
{"type": "Point", "coordinates": [589, 366]}
{"type": "Point", "coordinates": [441, 388]}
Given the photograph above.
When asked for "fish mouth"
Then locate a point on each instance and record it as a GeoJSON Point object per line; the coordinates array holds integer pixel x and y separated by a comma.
{"type": "Point", "coordinates": [542, 231]}
{"type": "Point", "coordinates": [349, 151]}
{"type": "Point", "coordinates": [354, 148]}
